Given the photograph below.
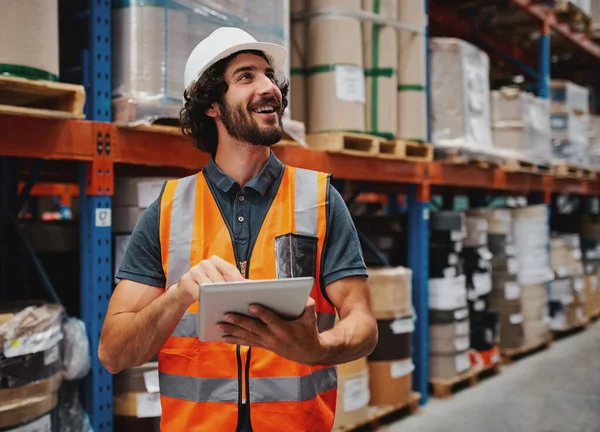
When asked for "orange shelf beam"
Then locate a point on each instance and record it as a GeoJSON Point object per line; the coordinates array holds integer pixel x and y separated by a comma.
{"type": "Point", "coordinates": [76, 140]}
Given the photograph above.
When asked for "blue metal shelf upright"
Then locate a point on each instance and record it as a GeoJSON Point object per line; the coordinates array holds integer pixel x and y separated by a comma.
{"type": "Point", "coordinates": [87, 61]}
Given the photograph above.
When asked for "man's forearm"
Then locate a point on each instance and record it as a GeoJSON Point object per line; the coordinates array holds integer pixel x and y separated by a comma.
{"type": "Point", "coordinates": [132, 338]}
{"type": "Point", "coordinates": [355, 336]}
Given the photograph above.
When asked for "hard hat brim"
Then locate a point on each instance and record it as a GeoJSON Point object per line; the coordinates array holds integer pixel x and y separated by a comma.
{"type": "Point", "coordinates": [276, 52]}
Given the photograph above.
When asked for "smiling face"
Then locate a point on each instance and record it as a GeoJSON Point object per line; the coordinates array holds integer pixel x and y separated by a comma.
{"type": "Point", "coordinates": [251, 109]}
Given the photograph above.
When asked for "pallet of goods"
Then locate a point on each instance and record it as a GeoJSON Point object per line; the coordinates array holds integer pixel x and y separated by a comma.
{"type": "Point", "coordinates": [148, 66]}
{"type": "Point", "coordinates": [29, 63]}
{"type": "Point", "coordinates": [363, 94]}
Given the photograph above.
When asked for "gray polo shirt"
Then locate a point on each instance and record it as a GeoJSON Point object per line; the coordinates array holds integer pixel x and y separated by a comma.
{"type": "Point", "coordinates": [245, 209]}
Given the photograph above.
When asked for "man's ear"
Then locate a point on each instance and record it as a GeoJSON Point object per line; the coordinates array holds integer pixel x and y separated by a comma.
{"type": "Point", "coordinates": [213, 111]}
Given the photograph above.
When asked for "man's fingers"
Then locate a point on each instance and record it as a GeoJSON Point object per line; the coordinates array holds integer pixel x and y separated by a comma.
{"type": "Point", "coordinates": [248, 324]}
{"type": "Point", "coordinates": [229, 271]}
{"type": "Point", "coordinates": [265, 315]}
{"type": "Point", "coordinates": [211, 271]}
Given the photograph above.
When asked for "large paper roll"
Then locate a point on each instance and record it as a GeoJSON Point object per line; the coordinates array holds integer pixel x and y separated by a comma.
{"type": "Point", "coordinates": [29, 38]}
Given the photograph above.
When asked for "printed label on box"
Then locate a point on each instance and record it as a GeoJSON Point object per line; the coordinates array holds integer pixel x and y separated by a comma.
{"type": "Point", "coordinates": [148, 405]}
{"type": "Point", "coordinates": [509, 249]}
{"type": "Point", "coordinates": [51, 355]}
{"type": "Point", "coordinates": [103, 217]}
{"type": "Point", "coordinates": [462, 363]}
{"type": "Point", "coordinates": [579, 314]}
{"type": "Point", "coordinates": [401, 326]}
{"type": "Point", "coordinates": [461, 314]}
{"type": "Point", "coordinates": [461, 328]}
{"type": "Point", "coordinates": [456, 235]}
{"type": "Point", "coordinates": [449, 272]}
{"type": "Point", "coordinates": [356, 393]}
{"type": "Point", "coordinates": [401, 368]}
{"type": "Point", "coordinates": [578, 284]}
{"type": "Point", "coordinates": [512, 291]}
{"type": "Point", "coordinates": [479, 305]}
{"type": "Point", "coordinates": [350, 83]}
{"type": "Point", "coordinates": [461, 343]}
{"type": "Point", "coordinates": [151, 381]}
{"type": "Point", "coordinates": [577, 254]}
{"type": "Point", "coordinates": [452, 259]}
{"type": "Point", "coordinates": [594, 283]}
{"type": "Point", "coordinates": [515, 319]}
{"type": "Point", "coordinates": [43, 424]}
{"type": "Point", "coordinates": [458, 247]}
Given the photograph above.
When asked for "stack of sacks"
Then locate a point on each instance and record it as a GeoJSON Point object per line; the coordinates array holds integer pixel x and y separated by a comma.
{"type": "Point", "coordinates": [412, 73]}
{"type": "Point", "coordinates": [30, 367]}
{"type": "Point", "coordinates": [353, 394]}
{"type": "Point", "coordinates": [567, 291]}
{"type": "Point", "coordinates": [460, 96]}
{"type": "Point", "coordinates": [335, 69]}
{"type": "Point", "coordinates": [133, 195]}
{"type": "Point", "coordinates": [137, 399]}
{"type": "Point", "coordinates": [521, 125]}
{"type": "Point", "coordinates": [570, 119]}
{"type": "Point", "coordinates": [380, 48]}
{"type": "Point", "coordinates": [448, 315]}
{"type": "Point", "coordinates": [148, 65]}
{"type": "Point", "coordinates": [477, 263]}
{"type": "Point", "coordinates": [390, 364]}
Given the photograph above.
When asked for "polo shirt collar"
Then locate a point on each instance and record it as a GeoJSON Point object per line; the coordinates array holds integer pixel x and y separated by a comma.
{"type": "Point", "coordinates": [260, 183]}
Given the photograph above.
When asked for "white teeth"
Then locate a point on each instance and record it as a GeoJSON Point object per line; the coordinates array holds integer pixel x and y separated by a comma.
{"type": "Point", "coordinates": [266, 110]}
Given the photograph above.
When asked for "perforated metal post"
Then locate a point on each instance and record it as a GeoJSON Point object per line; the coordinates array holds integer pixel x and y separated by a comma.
{"type": "Point", "coordinates": [96, 183]}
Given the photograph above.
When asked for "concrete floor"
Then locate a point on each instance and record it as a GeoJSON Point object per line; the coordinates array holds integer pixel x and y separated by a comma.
{"type": "Point", "coordinates": [557, 390]}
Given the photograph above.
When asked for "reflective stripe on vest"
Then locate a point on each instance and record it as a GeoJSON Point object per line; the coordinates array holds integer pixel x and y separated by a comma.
{"type": "Point", "coordinates": [278, 389]}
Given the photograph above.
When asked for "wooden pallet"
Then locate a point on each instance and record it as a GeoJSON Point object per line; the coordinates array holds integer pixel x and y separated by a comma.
{"type": "Point", "coordinates": [570, 171]}
{"type": "Point", "coordinates": [345, 142]}
{"type": "Point", "coordinates": [406, 150]}
{"type": "Point", "coordinates": [570, 330]}
{"type": "Point", "coordinates": [445, 387]}
{"type": "Point", "coordinates": [379, 415]}
{"type": "Point", "coordinates": [462, 156]}
{"type": "Point", "coordinates": [41, 98]}
{"type": "Point", "coordinates": [594, 315]}
{"type": "Point", "coordinates": [514, 165]}
{"type": "Point", "coordinates": [510, 355]}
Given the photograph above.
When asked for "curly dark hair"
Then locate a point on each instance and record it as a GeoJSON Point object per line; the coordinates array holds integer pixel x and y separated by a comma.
{"type": "Point", "coordinates": [210, 88]}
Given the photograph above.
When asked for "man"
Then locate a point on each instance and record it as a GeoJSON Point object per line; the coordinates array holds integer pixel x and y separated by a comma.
{"type": "Point", "coordinates": [240, 218]}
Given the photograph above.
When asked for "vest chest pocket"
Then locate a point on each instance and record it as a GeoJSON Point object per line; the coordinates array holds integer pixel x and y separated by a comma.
{"type": "Point", "coordinates": [295, 256]}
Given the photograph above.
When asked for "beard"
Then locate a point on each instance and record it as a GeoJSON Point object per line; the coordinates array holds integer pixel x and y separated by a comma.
{"type": "Point", "coordinates": [241, 126]}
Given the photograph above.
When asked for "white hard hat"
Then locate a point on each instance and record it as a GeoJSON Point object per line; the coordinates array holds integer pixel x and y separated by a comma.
{"type": "Point", "coordinates": [222, 43]}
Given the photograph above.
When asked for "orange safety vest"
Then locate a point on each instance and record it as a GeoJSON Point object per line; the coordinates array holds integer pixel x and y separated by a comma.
{"type": "Point", "coordinates": [202, 384]}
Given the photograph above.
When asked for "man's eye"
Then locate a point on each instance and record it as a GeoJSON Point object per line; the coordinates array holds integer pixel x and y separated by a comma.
{"type": "Point", "coordinates": [245, 76]}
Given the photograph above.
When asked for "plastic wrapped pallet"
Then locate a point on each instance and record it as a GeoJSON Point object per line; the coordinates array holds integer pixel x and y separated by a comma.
{"type": "Point", "coordinates": [381, 61]}
{"type": "Point", "coordinates": [30, 366]}
{"type": "Point", "coordinates": [570, 118]}
{"type": "Point", "coordinates": [521, 125]}
{"type": "Point", "coordinates": [412, 73]}
{"type": "Point", "coordinates": [460, 95]}
{"type": "Point", "coordinates": [335, 68]}
{"type": "Point", "coordinates": [29, 39]}
{"type": "Point", "coordinates": [152, 41]}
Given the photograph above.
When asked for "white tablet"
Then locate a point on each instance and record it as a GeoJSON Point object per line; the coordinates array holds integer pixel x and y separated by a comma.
{"type": "Point", "coordinates": [286, 297]}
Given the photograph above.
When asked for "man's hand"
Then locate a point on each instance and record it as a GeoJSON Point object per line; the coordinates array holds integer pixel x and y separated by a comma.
{"type": "Point", "coordinates": [296, 340]}
{"type": "Point", "coordinates": [214, 269]}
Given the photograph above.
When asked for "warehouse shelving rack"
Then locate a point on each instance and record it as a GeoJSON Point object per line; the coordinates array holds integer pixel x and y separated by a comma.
{"type": "Point", "coordinates": [92, 150]}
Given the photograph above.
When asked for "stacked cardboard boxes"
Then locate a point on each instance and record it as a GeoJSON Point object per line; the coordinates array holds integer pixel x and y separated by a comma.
{"type": "Point", "coordinates": [590, 237]}
{"type": "Point", "coordinates": [567, 291]}
{"type": "Point", "coordinates": [521, 125]}
{"type": "Point", "coordinates": [137, 399]}
{"type": "Point", "coordinates": [390, 364]}
{"type": "Point", "coordinates": [449, 330]}
{"type": "Point", "coordinates": [569, 121]}
{"type": "Point", "coordinates": [30, 367]}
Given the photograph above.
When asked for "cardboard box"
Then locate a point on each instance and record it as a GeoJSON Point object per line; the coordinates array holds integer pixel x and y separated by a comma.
{"type": "Point", "coordinates": [449, 366]}
{"type": "Point", "coordinates": [391, 292]}
{"type": "Point", "coordinates": [390, 382]}
{"type": "Point", "coordinates": [353, 393]}
{"type": "Point", "coordinates": [449, 331]}
{"type": "Point", "coordinates": [534, 303]}
{"type": "Point", "coordinates": [536, 332]}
